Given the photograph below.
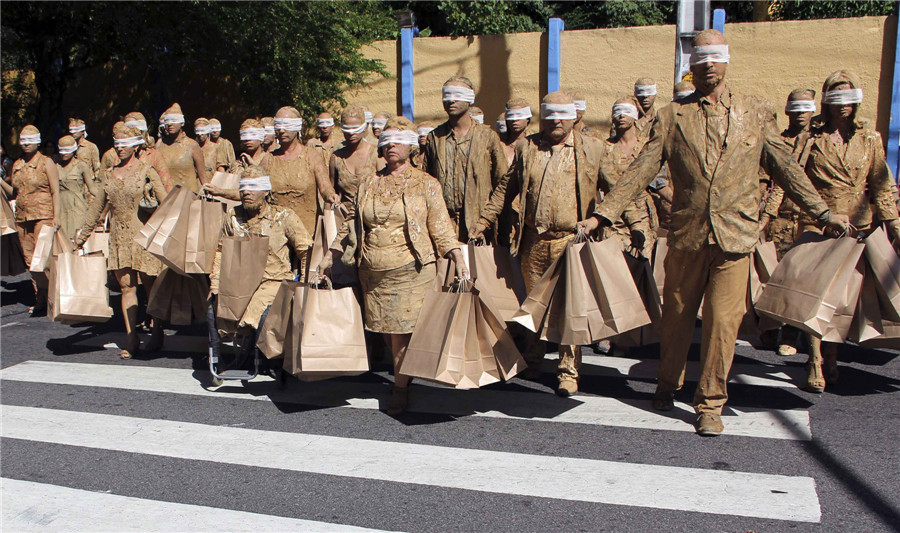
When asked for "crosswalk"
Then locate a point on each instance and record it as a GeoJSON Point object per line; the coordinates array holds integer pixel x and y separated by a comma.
{"type": "Point", "coordinates": [33, 505]}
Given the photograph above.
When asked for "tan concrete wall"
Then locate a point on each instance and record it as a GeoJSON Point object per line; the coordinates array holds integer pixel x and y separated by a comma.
{"type": "Point", "coordinates": [769, 59]}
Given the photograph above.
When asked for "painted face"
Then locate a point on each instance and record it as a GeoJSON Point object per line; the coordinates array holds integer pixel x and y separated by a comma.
{"type": "Point", "coordinates": [515, 127]}
{"type": "Point", "coordinates": [173, 129]}
{"type": "Point", "coordinates": [646, 101]}
{"type": "Point", "coordinates": [709, 75]}
{"type": "Point", "coordinates": [65, 158]}
{"type": "Point", "coordinates": [201, 139]}
{"type": "Point", "coordinates": [557, 129]}
{"type": "Point", "coordinates": [125, 152]}
{"type": "Point", "coordinates": [395, 153]}
{"type": "Point", "coordinates": [250, 145]}
{"type": "Point", "coordinates": [29, 148]}
{"type": "Point", "coordinates": [253, 200]}
{"type": "Point", "coordinates": [455, 108]}
{"type": "Point", "coordinates": [353, 122]}
{"type": "Point", "coordinates": [841, 110]}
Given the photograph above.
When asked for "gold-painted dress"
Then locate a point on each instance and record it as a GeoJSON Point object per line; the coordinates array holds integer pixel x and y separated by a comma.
{"type": "Point", "coordinates": [72, 202]}
{"type": "Point", "coordinates": [180, 162]}
{"type": "Point", "coordinates": [123, 194]}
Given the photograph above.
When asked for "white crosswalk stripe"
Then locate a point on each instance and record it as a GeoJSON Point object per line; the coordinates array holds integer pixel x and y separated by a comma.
{"type": "Point", "coordinates": [583, 409]}
{"type": "Point", "coordinates": [607, 482]}
{"type": "Point", "coordinates": [27, 506]}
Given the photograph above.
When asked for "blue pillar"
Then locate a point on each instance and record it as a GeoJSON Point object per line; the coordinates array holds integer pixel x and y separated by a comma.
{"type": "Point", "coordinates": [407, 99]}
{"type": "Point", "coordinates": [719, 20]}
{"type": "Point", "coordinates": [554, 54]}
{"type": "Point", "coordinates": [893, 154]}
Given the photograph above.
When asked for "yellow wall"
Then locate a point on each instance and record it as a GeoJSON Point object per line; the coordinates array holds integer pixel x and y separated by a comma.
{"type": "Point", "coordinates": [768, 59]}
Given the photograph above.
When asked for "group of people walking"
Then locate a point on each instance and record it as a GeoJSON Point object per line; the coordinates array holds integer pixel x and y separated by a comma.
{"type": "Point", "coordinates": [709, 170]}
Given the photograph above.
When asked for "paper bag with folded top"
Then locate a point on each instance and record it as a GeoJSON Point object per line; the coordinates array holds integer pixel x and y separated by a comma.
{"type": "Point", "coordinates": [814, 278]}
{"type": "Point", "coordinates": [50, 243]}
{"type": "Point", "coordinates": [243, 267]}
{"type": "Point", "coordinates": [534, 309]}
{"type": "Point", "coordinates": [77, 288]}
{"type": "Point", "coordinates": [618, 298]}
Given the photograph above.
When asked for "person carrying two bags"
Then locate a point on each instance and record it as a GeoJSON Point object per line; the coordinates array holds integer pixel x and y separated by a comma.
{"type": "Point", "coordinates": [255, 257]}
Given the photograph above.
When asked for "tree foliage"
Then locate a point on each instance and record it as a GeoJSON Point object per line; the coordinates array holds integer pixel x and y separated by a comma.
{"type": "Point", "coordinates": [615, 13]}
{"type": "Point", "coordinates": [299, 53]}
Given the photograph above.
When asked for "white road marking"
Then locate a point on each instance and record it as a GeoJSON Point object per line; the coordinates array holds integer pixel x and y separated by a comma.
{"type": "Point", "coordinates": [29, 506]}
{"type": "Point", "coordinates": [607, 482]}
{"type": "Point", "coordinates": [582, 409]}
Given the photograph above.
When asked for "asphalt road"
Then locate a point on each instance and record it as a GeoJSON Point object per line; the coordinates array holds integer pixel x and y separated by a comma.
{"type": "Point", "coordinates": [92, 442]}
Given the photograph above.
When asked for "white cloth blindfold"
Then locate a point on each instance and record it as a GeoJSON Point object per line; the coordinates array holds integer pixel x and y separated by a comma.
{"type": "Point", "coordinates": [262, 183]}
{"type": "Point", "coordinates": [253, 134]}
{"type": "Point", "coordinates": [173, 118]}
{"type": "Point", "coordinates": [627, 110]}
{"type": "Point", "coordinates": [325, 122]}
{"type": "Point", "coordinates": [270, 130]}
{"type": "Point", "coordinates": [800, 106]}
{"type": "Point", "coordinates": [393, 136]}
{"type": "Point", "coordinates": [454, 93]}
{"type": "Point", "coordinates": [478, 118]}
{"type": "Point", "coordinates": [76, 129]}
{"type": "Point", "coordinates": [353, 130]}
{"type": "Point", "coordinates": [215, 128]}
{"type": "Point", "coordinates": [288, 124]}
{"type": "Point", "coordinates": [683, 94]}
{"type": "Point", "coordinates": [202, 130]}
{"type": "Point", "coordinates": [714, 53]}
{"type": "Point", "coordinates": [518, 113]}
{"type": "Point", "coordinates": [30, 139]}
{"type": "Point", "coordinates": [379, 123]}
{"type": "Point", "coordinates": [580, 105]}
{"type": "Point", "coordinates": [843, 97]}
{"type": "Point", "coordinates": [558, 112]}
{"type": "Point", "coordinates": [645, 90]}
{"type": "Point", "coordinates": [128, 141]}
{"type": "Point", "coordinates": [501, 126]}
{"type": "Point", "coordinates": [368, 115]}
{"type": "Point", "coordinates": [68, 149]}
{"type": "Point", "coordinates": [425, 131]}
{"type": "Point", "coordinates": [139, 124]}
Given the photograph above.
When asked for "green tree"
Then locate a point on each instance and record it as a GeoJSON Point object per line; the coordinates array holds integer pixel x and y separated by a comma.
{"type": "Point", "coordinates": [614, 13]}
{"type": "Point", "coordinates": [277, 53]}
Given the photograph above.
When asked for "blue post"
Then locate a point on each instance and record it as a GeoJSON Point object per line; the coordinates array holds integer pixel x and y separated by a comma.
{"type": "Point", "coordinates": [719, 20]}
{"type": "Point", "coordinates": [407, 99]}
{"type": "Point", "coordinates": [893, 154]}
{"type": "Point", "coordinates": [554, 54]}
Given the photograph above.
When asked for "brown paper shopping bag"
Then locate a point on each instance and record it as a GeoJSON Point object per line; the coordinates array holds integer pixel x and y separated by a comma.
{"type": "Point", "coordinates": [270, 339]}
{"type": "Point", "coordinates": [582, 321]}
{"type": "Point", "coordinates": [534, 308]}
{"type": "Point", "coordinates": [495, 278]}
{"type": "Point", "coordinates": [77, 289]}
{"type": "Point", "coordinates": [333, 341]}
{"type": "Point", "coordinates": [173, 206]}
{"type": "Point", "coordinates": [437, 348]}
{"type": "Point", "coordinates": [496, 341]}
{"type": "Point", "coordinates": [7, 216]}
{"type": "Point", "coordinates": [12, 258]}
{"type": "Point", "coordinates": [659, 260]}
{"type": "Point", "coordinates": [327, 226]}
{"type": "Point", "coordinates": [98, 242]}
{"type": "Point", "coordinates": [867, 322]}
{"type": "Point", "coordinates": [50, 243]}
{"type": "Point", "coordinates": [224, 180]}
{"type": "Point", "coordinates": [243, 267]}
{"type": "Point", "coordinates": [804, 290]}
{"type": "Point", "coordinates": [294, 330]}
{"type": "Point", "coordinates": [885, 266]}
{"type": "Point", "coordinates": [619, 300]}
{"type": "Point", "coordinates": [204, 228]}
